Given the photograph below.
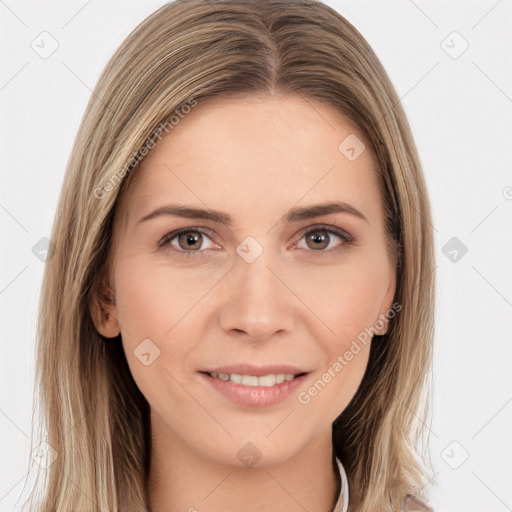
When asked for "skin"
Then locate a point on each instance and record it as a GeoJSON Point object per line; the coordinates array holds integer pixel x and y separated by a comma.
{"type": "Point", "coordinates": [300, 302]}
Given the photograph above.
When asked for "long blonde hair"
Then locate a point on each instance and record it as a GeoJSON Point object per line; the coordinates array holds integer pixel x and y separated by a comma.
{"type": "Point", "coordinates": [94, 416]}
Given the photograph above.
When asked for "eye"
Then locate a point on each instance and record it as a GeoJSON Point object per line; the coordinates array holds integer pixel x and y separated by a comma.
{"type": "Point", "coordinates": [322, 239]}
{"type": "Point", "coordinates": [187, 241]}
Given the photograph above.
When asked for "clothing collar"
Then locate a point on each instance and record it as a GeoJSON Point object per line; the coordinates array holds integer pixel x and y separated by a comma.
{"type": "Point", "coordinates": [343, 498]}
{"type": "Point", "coordinates": [342, 501]}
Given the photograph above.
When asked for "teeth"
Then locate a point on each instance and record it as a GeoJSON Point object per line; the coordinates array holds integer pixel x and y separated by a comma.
{"type": "Point", "coordinates": [266, 380]}
{"type": "Point", "coordinates": [236, 377]}
{"type": "Point", "coordinates": [253, 380]}
{"type": "Point", "coordinates": [280, 378]}
{"type": "Point", "coordinates": [250, 380]}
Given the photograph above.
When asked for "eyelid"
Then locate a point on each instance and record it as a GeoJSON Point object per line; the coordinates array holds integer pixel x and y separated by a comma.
{"type": "Point", "coordinates": [347, 238]}
{"type": "Point", "coordinates": [167, 238]}
{"type": "Point", "coordinates": [331, 229]}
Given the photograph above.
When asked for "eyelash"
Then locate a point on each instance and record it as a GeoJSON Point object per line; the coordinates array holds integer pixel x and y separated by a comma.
{"type": "Point", "coordinates": [165, 242]}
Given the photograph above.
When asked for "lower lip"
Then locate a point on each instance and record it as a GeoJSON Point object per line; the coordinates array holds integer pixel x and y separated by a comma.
{"type": "Point", "coordinates": [254, 395]}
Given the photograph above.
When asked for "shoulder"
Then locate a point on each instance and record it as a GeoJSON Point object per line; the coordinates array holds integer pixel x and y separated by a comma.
{"type": "Point", "coordinates": [411, 503]}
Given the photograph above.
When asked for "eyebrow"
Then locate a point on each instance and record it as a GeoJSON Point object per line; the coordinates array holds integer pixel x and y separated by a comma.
{"type": "Point", "coordinates": [294, 215]}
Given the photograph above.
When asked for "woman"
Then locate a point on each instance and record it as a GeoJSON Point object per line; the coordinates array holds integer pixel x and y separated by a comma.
{"type": "Point", "coordinates": [239, 312]}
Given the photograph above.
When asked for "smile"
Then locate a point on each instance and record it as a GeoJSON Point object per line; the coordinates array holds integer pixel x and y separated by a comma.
{"type": "Point", "coordinates": [253, 380]}
{"type": "Point", "coordinates": [253, 390]}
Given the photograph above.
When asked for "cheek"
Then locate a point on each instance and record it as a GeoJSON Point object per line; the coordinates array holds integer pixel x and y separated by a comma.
{"type": "Point", "coordinates": [150, 308]}
{"type": "Point", "coordinates": [152, 297]}
{"type": "Point", "coordinates": [346, 298]}
{"type": "Point", "coordinates": [158, 303]}
{"type": "Point", "coordinates": [334, 386]}
{"type": "Point", "coordinates": [141, 301]}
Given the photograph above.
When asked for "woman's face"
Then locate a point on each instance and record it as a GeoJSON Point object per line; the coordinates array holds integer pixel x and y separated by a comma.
{"type": "Point", "coordinates": [261, 281]}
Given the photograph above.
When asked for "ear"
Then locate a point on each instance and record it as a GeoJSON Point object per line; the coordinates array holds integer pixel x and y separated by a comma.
{"type": "Point", "coordinates": [387, 303]}
{"type": "Point", "coordinates": [103, 309]}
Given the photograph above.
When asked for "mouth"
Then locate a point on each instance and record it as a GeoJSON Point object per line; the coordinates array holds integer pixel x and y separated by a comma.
{"type": "Point", "coordinates": [268, 380]}
{"type": "Point", "coordinates": [250, 386]}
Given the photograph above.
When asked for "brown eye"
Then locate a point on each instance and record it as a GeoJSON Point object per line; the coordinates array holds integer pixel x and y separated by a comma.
{"type": "Point", "coordinates": [317, 239]}
{"type": "Point", "coordinates": [322, 239]}
{"type": "Point", "coordinates": [190, 240]}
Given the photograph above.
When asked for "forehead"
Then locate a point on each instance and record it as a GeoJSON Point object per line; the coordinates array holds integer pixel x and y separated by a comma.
{"type": "Point", "coordinates": [256, 153]}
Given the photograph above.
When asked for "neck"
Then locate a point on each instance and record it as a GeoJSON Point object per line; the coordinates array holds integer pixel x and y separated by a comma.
{"type": "Point", "coordinates": [183, 479]}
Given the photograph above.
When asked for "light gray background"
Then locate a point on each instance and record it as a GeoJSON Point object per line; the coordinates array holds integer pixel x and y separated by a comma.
{"type": "Point", "coordinates": [460, 111]}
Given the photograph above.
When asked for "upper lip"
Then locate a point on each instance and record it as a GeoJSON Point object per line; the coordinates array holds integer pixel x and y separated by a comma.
{"type": "Point", "coordinates": [258, 371]}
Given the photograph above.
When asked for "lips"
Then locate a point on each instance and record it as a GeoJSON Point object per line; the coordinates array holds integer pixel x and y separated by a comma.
{"type": "Point", "coordinates": [249, 385]}
{"type": "Point", "coordinates": [258, 371]}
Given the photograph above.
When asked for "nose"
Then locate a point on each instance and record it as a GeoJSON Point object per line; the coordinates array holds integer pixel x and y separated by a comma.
{"type": "Point", "coordinates": [257, 302]}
